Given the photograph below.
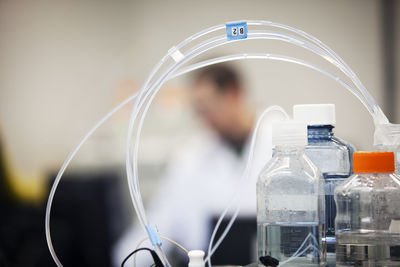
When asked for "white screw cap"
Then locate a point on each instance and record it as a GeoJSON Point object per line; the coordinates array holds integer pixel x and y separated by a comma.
{"type": "Point", "coordinates": [289, 133]}
{"type": "Point", "coordinates": [196, 258]}
{"type": "Point", "coordinates": [315, 114]}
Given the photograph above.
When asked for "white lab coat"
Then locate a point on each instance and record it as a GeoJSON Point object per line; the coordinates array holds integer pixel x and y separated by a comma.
{"type": "Point", "coordinates": [200, 181]}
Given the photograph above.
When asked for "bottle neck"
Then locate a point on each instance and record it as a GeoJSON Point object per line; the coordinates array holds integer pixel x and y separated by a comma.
{"type": "Point", "coordinates": [319, 132]}
{"type": "Point", "coordinates": [288, 150]}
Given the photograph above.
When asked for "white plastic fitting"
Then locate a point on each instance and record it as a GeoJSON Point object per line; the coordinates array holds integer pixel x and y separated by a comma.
{"type": "Point", "coordinates": [196, 258]}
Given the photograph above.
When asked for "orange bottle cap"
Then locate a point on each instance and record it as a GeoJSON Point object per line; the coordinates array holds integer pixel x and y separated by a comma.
{"type": "Point", "coordinates": [373, 161]}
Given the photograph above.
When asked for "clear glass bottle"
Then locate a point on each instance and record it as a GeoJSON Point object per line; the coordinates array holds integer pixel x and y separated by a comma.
{"type": "Point", "coordinates": [330, 154]}
{"type": "Point", "coordinates": [290, 202]}
{"type": "Point", "coordinates": [368, 217]}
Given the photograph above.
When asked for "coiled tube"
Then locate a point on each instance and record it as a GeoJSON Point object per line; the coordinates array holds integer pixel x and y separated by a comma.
{"type": "Point", "coordinates": [153, 83]}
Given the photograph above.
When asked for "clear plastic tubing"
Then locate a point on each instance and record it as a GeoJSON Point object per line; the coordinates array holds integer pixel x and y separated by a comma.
{"type": "Point", "coordinates": [241, 185]}
{"type": "Point", "coordinates": [152, 85]}
{"type": "Point", "coordinates": [132, 97]}
{"type": "Point", "coordinates": [64, 167]}
{"type": "Point", "coordinates": [380, 118]}
{"type": "Point", "coordinates": [136, 111]}
{"type": "Point", "coordinates": [255, 56]}
{"type": "Point", "coordinates": [156, 85]}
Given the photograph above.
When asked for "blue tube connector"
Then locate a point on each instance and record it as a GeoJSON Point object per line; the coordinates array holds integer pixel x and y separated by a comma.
{"type": "Point", "coordinates": [153, 235]}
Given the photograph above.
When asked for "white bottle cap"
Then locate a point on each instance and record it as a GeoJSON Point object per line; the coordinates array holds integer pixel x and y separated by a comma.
{"type": "Point", "coordinates": [196, 258]}
{"type": "Point", "coordinates": [292, 133]}
{"type": "Point", "coordinates": [315, 114]}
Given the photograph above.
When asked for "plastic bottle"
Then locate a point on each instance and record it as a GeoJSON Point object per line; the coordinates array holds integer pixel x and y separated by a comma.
{"type": "Point", "coordinates": [331, 155]}
{"type": "Point", "coordinates": [290, 202]}
{"type": "Point", "coordinates": [368, 218]}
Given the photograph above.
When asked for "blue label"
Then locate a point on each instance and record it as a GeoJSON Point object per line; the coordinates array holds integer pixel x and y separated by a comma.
{"type": "Point", "coordinates": [236, 30]}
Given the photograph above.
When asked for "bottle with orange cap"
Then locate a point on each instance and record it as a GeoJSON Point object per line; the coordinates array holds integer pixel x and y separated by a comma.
{"type": "Point", "coordinates": [368, 212]}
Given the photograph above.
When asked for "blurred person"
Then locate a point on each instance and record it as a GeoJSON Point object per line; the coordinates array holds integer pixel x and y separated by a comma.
{"type": "Point", "coordinates": [202, 177]}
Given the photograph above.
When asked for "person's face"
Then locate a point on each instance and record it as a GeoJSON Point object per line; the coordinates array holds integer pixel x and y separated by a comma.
{"type": "Point", "coordinates": [216, 108]}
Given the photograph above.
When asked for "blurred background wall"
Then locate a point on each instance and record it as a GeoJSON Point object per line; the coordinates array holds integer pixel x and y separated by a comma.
{"type": "Point", "coordinates": [64, 64]}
